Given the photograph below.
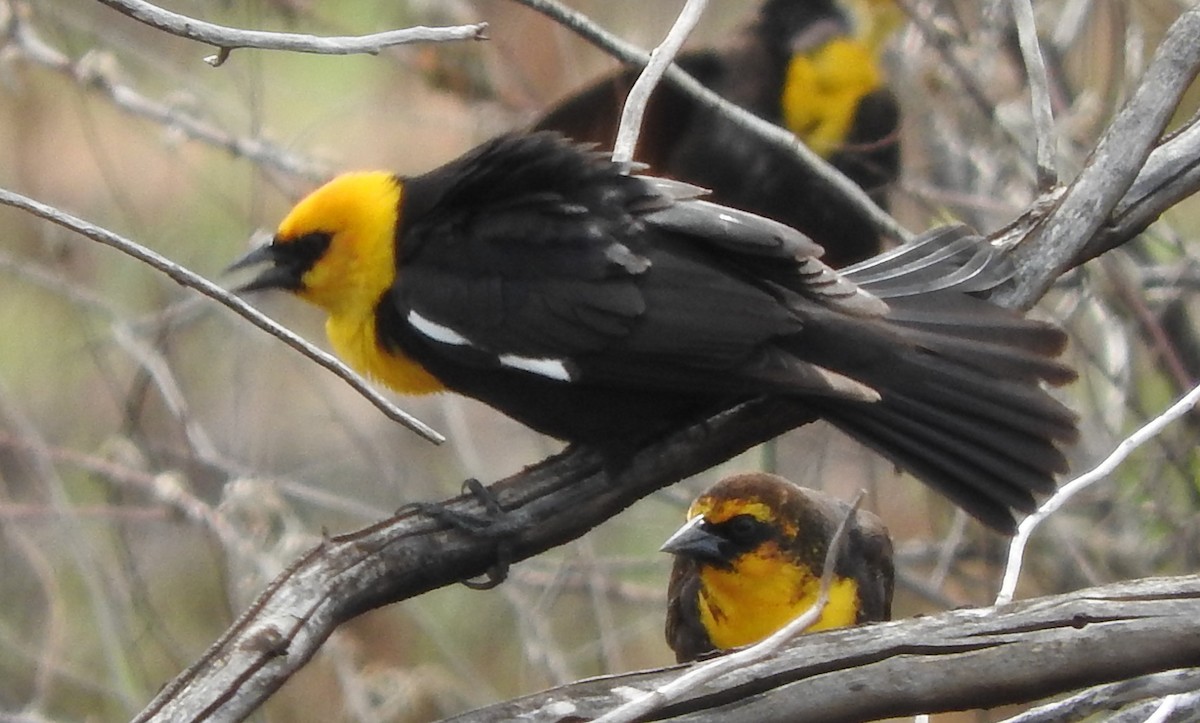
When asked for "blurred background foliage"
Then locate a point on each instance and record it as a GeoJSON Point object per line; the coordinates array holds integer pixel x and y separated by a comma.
{"type": "Point", "coordinates": [161, 460]}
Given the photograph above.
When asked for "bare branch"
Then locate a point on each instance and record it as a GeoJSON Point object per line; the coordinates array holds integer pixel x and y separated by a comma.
{"type": "Point", "coordinates": [1109, 697]}
{"type": "Point", "coordinates": [639, 95]}
{"type": "Point", "coordinates": [1116, 161]}
{"type": "Point", "coordinates": [193, 280]}
{"type": "Point", "coordinates": [1171, 173]}
{"type": "Point", "coordinates": [31, 46]}
{"type": "Point", "coordinates": [227, 39]}
{"type": "Point", "coordinates": [955, 660]}
{"type": "Point", "coordinates": [545, 505]}
{"type": "Point", "coordinates": [1039, 92]}
{"type": "Point", "coordinates": [1149, 431]}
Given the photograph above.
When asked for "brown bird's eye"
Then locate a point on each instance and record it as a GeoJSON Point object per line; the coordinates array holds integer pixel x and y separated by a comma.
{"type": "Point", "coordinates": [744, 530]}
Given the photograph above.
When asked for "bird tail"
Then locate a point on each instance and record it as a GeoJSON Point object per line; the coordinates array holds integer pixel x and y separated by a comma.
{"type": "Point", "coordinates": [962, 403]}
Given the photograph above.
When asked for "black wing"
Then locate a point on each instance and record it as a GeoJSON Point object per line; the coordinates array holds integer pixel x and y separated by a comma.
{"type": "Point", "coordinates": [536, 255]}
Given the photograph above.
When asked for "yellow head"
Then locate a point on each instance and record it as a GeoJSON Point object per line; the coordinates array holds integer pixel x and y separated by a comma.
{"type": "Point", "coordinates": [337, 249]}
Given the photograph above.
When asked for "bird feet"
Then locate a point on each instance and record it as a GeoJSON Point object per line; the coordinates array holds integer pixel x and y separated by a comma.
{"type": "Point", "coordinates": [484, 525]}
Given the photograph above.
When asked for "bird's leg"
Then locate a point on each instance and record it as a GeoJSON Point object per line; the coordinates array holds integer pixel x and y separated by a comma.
{"type": "Point", "coordinates": [484, 525]}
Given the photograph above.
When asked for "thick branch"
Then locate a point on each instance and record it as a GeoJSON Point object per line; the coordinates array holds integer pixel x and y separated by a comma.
{"type": "Point", "coordinates": [1116, 162]}
{"type": "Point", "coordinates": [953, 661]}
{"type": "Point", "coordinates": [1110, 697]}
{"type": "Point", "coordinates": [547, 505]}
{"type": "Point", "coordinates": [1171, 174]}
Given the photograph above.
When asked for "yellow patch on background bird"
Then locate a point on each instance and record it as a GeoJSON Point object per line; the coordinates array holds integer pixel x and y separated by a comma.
{"type": "Point", "coordinates": [763, 592]}
{"type": "Point", "coordinates": [360, 212]}
{"type": "Point", "coordinates": [822, 91]}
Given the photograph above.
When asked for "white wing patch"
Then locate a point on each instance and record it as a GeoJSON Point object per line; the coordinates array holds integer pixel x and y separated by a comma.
{"type": "Point", "coordinates": [437, 332]}
{"type": "Point", "coordinates": [549, 368]}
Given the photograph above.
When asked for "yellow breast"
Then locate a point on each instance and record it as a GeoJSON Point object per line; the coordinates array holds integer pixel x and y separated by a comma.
{"type": "Point", "coordinates": [762, 593]}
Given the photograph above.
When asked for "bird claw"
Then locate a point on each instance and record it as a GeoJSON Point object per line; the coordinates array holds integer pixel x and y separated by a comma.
{"type": "Point", "coordinates": [498, 572]}
{"type": "Point", "coordinates": [485, 525]}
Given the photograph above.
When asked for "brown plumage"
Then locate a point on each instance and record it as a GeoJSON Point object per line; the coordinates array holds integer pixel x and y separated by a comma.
{"type": "Point", "coordinates": [750, 559]}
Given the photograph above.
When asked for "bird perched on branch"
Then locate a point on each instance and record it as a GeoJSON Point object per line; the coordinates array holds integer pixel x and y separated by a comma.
{"type": "Point", "coordinates": [750, 559]}
{"type": "Point", "coordinates": [607, 309]}
{"type": "Point", "coordinates": [801, 64]}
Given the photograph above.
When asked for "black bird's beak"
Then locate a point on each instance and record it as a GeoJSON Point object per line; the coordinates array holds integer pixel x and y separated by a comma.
{"type": "Point", "coordinates": [273, 277]}
{"type": "Point", "coordinates": [692, 540]}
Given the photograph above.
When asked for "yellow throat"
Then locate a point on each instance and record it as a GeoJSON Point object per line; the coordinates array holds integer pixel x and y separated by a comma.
{"type": "Point", "coordinates": [763, 593]}
{"type": "Point", "coordinates": [822, 91]}
{"type": "Point", "coordinates": [361, 212]}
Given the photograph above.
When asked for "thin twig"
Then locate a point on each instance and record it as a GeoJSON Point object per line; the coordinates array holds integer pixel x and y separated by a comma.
{"type": "Point", "coordinates": [705, 672]}
{"type": "Point", "coordinates": [159, 370]}
{"type": "Point", "coordinates": [1150, 430]}
{"type": "Point", "coordinates": [94, 76]}
{"type": "Point", "coordinates": [1163, 713]}
{"type": "Point", "coordinates": [639, 95]}
{"type": "Point", "coordinates": [1039, 93]}
{"type": "Point", "coordinates": [227, 39]}
{"type": "Point", "coordinates": [195, 281]}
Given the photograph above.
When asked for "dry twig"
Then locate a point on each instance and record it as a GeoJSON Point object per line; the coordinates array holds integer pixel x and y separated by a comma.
{"type": "Point", "coordinates": [228, 39]}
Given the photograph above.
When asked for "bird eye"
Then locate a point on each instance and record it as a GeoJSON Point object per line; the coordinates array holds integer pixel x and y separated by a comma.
{"type": "Point", "coordinates": [308, 248]}
{"type": "Point", "coordinates": [743, 529]}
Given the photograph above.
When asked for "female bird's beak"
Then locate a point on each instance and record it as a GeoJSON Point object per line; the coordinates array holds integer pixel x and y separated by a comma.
{"type": "Point", "coordinates": [274, 277]}
{"type": "Point", "coordinates": [692, 540]}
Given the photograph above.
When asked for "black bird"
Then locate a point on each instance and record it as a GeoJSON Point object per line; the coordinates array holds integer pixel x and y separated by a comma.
{"type": "Point", "coordinates": [606, 308]}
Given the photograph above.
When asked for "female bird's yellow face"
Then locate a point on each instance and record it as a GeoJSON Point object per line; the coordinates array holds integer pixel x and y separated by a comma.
{"type": "Point", "coordinates": [757, 568]}
{"type": "Point", "coordinates": [340, 241]}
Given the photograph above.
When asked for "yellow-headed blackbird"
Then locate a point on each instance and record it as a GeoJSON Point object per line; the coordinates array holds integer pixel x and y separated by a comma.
{"type": "Point", "coordinates": [606, 308]}
{"type": "Point", "coordinates": [750, 559]}
{"type": "Point", "coordinates": [798, 65]}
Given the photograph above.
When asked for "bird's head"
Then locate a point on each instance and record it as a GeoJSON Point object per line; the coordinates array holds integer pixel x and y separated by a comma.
{"type": "Point", "coordinates": [336, 248]}
{"type": "Point", "coordinates": [738, 520]}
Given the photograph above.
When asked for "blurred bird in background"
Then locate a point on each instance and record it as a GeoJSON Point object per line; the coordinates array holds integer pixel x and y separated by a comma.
{"type": "Point", "coordinates": [810, 66]}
